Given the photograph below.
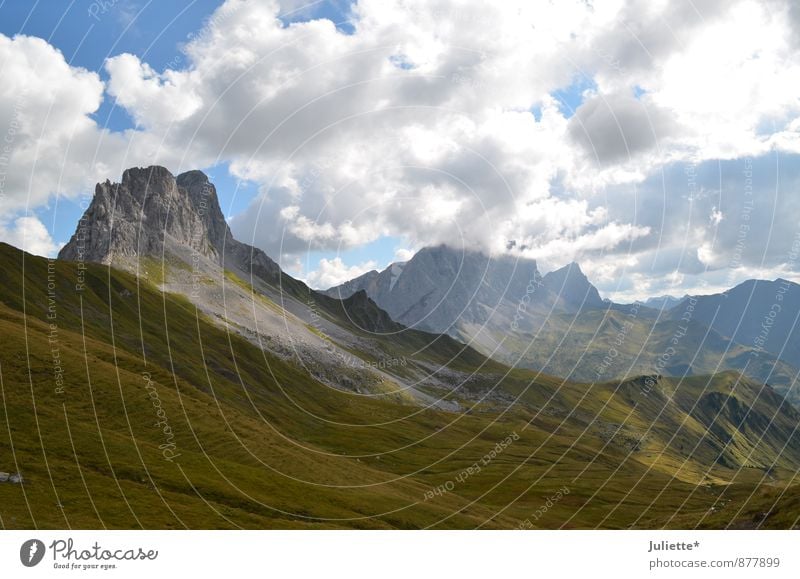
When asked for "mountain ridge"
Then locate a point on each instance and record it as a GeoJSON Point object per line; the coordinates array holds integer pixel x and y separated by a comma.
{"type": "Point", "coordinates": [559, 324]}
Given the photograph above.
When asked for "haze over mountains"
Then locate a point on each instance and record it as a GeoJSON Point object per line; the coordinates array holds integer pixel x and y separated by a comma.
{"type": "Point", "coordinates": [558, 323]}
{"type": "Point", "coordinates": [279, 406]}
{"type": "Point", "coordinates": [665, 302]}
{"type": "Point", "coordinates": [444, 290]}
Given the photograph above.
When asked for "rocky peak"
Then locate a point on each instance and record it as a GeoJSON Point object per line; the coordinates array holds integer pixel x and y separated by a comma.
{"type": "Point", "coordinates": [366, 315]}
{"type": "Point", "coordinates": [203, 197]}
{"type": "Point", "coordinates": [151, 184]}
{"type": "Point", "coordinates": [442, 287]}
{"type": "Point", "coordinates": [150, 212]}
{"type": "Point", "coordinates": [571, 288]}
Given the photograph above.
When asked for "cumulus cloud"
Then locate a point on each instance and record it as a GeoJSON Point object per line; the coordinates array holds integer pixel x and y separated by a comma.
{"type": "Point", "coordinates": [155, 99]}
{"type": "Point", "coordinates": [427, 124]}
{"type": "Point", "coordinates": [333, 272]}
{"type": "Point", "coordinates": [29, 234]}
{"type": "Point", "coordinates": [617, 127]}
{"type": "Point", "coordinates": [712, 225]}
{"type": "Point", "coordinates": [403, 254]}
{"type": "Point", "coordinates": [420, 123]}
{"type": "Point", "coordinates": [50, 143]}
{"type": "Point", "coordinates": [416, 125]}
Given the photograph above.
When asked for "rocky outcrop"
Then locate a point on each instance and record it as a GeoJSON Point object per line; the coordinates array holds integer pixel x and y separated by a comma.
{"type": "Point", "coordinates": [152, 213]}
{"type": "Point", "coordinates": [441, 288]}
{"type": "Point", "coordinates": [140, 216]}
{"type": "Point", "coordinates": [13, 478]}
{"type": "Point", "coordinates": [447, 290]}
{"type": "Point", "coordinates": [570, 290]}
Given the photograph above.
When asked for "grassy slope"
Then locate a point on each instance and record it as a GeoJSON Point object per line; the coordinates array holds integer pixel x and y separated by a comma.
{"type": "Point", "coordinates": [579, 346]}
{"type": "Point", "coordinates": [263, 445]}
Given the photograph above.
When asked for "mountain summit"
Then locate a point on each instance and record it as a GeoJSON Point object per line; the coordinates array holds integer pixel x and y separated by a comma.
{"type": "Point", "coordinates": [171, 232]}
{"type": "Point", "coordinates": [570, 290]}
{"type": "Point", "coordinates": [448, 290]}
{"type": "Point", "coordinates": [443, 289]}
{"type": "Point", "coordinates": [559, 324]}
{"type": "Point", "coordinates": [152, 213]}
{"type": "Point", "coordinates": [762, 314]}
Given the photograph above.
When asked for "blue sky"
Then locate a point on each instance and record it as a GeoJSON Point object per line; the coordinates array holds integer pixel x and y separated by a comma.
{"type": "Point", "coordinates": [570, 133]}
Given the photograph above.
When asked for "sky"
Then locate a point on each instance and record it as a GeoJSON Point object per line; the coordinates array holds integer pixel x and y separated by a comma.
{"type": "Point", "coordinates": [655, 143]}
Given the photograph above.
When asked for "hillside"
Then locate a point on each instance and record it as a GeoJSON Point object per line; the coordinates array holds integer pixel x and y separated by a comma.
{"type": "Point", "coordinates": [259, 443]}
{"type": "Point", "coordinates": [759, 314]}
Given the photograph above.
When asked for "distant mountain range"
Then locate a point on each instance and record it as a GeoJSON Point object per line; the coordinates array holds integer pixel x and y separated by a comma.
{"type": "Point", "coordinates": [763, 315]}
{"type": "Point", "coordinates": [447, 291]}
{"type": "Point", "coordinates": [662, 302]}
{"type": "Point", "coordinates": [558, 323]}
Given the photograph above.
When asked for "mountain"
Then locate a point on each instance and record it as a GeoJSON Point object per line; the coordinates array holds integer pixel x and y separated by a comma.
{"type": "Point", "coordinates": [763, 315]}
{"type": "Point", "coordinates": [569, 290]}
{"type": "Point", "coordinates": [559, 324]}
{"type": "Point", "coordinates": [163, 417]}
{"type": "Point", "coordinates": [445, 290]}
{"type": "Point", "coordinates": [171, 231]}
{"type": "Point", "coordinates": [664, 302]}
{"type": "Point", "coordinates": [152, 213]}
{"type": "Point", "coordinates": [165, 384]}
{"type": "Point", "coordinates": [615, 343]}
{"type": "Point", "coordinates": [440, 288]}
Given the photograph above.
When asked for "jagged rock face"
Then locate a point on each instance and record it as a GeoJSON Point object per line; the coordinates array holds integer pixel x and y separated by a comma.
{"type": "Point", "coordinates": [152, 213]}
{"type": "Point", "coordinates": [147, 210]}
{"type": "Point", "coordinates": [203, 198]}
{"type": "Point", "coordinates": [570, 290]}
{"type": "Point", "coordinates": [442, 289]}
{"type": "Point", "coordinates": [455, 287]}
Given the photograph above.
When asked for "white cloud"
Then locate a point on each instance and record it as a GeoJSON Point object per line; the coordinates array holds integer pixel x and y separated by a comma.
{"type": "Point", "coordinates": [739, 74]}
{"type": "Point", "coordinates": [618, 127]}
{"type": "Point", "coordinates": [29, 234]}
{"type": "Point", "coordinates": [332, 272]}
{"type": "Point", "coordinates": [430, 125]}
{"type": "Point", "coordinates": [49, 142]}
{"type": "Point", "coordinates": [156, 100]}
{"type": "Point", "coordinates": [560, 251]}
{"type": "Point", "coordinates": [422, 118]}
{"type": "Point", "coordinates": [403, 254]}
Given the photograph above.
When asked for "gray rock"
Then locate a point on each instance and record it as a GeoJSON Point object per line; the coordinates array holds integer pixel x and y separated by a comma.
{"type": "Point", "coordinates": [447, 290]}
{"type": "Point", "coordinates": [4, 476]}
{"type": "Point", "coordinates": [152, 213]}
